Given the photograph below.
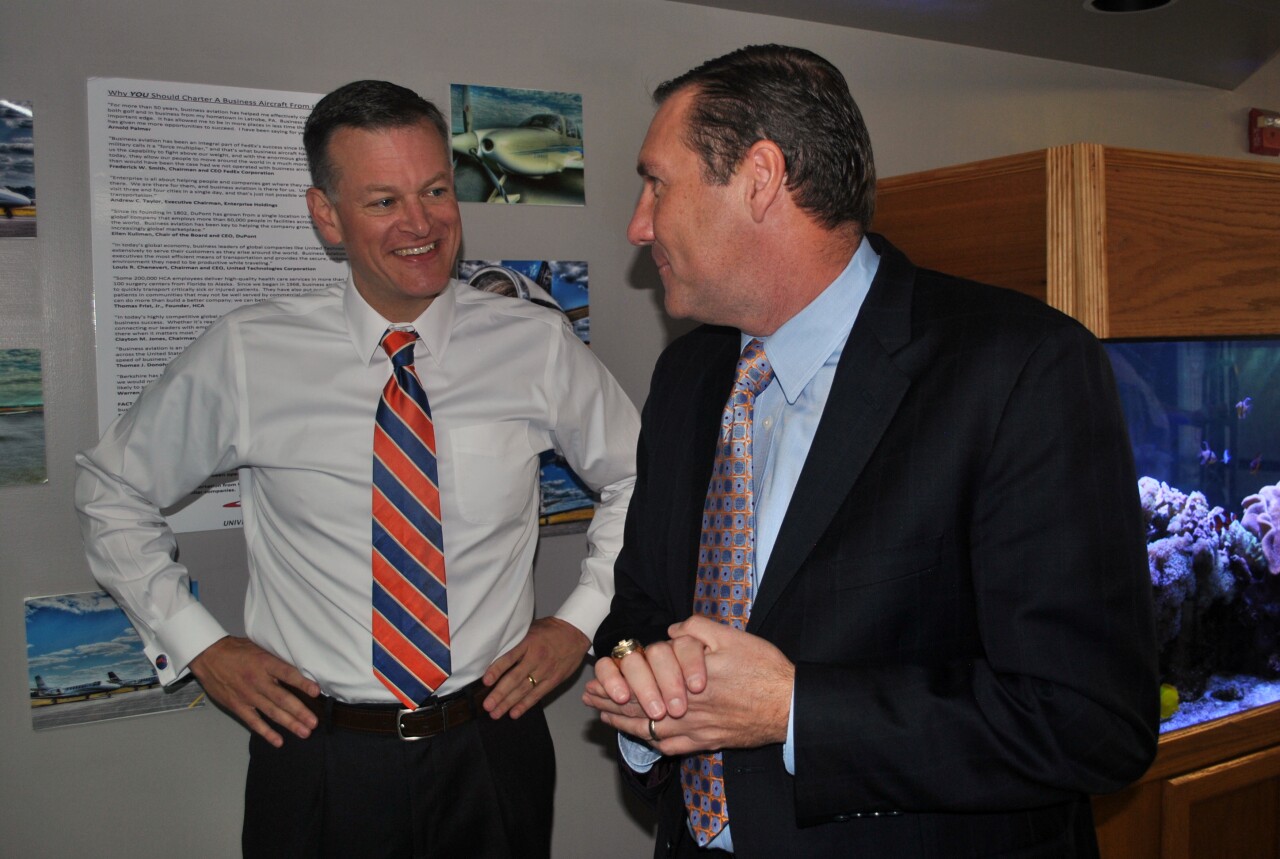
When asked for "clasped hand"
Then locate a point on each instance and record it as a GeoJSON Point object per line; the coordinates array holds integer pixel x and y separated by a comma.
{"type": "Point", "coordinates": [708, 687]}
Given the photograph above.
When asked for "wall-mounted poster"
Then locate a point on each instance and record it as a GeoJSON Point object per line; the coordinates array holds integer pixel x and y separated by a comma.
{"type": "Point", "coordinates": [517, 145]}
{"type": "Point", "coordinates": [21, 418]}
{"type": "Point", "coordinates": [198, 204]}
{"type": "Point", "coordinates": [85, 663]}
{"type": "Point", "coordinates": [17, 169]}
{"type": "Point", "coordinates": [565, 502]}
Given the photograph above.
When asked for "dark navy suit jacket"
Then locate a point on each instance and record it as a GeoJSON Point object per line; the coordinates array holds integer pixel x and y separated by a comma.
{"type": "Point", "coordinates": [960, 579]}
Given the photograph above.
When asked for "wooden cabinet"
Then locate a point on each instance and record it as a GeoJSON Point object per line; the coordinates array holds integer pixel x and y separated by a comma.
{"type": "Point", "coordinates": [1213, 791]}
{"type": "Point", "coordinates": [1134, 244]}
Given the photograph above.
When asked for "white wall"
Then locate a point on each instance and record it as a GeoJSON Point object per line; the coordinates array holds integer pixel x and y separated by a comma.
{"type": "Point", "coordinates": [171, 785]}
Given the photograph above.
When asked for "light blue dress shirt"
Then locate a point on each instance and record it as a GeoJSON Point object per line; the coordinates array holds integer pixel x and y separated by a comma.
{"type": "Point", "coordinates": [804, 353]}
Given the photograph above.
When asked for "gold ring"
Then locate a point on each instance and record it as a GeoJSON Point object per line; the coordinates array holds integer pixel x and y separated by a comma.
{"type": "Point", "coordinates": [626, 646]}
{"type": "Point", "coordinates": [653, 735]}
{"type": "Point", "coordinates": [532, 682]}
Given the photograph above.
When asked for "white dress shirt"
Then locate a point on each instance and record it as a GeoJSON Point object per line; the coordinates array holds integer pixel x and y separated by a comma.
{"type": "Point", "coordinates": [803, 353]}
{"type": "Point", "coordinates": [285, 391]}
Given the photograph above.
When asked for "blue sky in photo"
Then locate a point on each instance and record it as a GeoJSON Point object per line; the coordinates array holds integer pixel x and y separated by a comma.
{"type": "Point", "coordinates": [77, 638]}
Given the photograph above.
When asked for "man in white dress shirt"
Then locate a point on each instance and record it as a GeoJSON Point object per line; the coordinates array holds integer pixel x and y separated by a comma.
{"type": "Point", "coordinates": [285, 392]}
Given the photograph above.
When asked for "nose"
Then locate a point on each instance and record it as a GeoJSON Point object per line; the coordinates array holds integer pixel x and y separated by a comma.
{"type": "Point", "coordinates": [417, 217]}
{"type": "Point", "coordinates": [640, 230]}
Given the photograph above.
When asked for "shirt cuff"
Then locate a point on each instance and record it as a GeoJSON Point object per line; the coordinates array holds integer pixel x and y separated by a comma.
{"type": "Point", "coordinates": [639, 756]}
{"type": "Point", "coordinates": [789, 747]}
{"type": "Point", "coordinates": [585, 608]}
{"type": "Point", "coordinates": [181, 639]}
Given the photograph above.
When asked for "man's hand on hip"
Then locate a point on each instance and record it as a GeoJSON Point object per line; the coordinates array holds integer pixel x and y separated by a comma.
{"type": "Point", "coordinates": [550, 651]}
{"type": "Point", "coordinates": [246, 679]}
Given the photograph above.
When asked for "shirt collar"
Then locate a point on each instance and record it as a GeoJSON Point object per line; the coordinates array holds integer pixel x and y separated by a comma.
{"type": "Point", "coordinates": [799, 348]}
{"type": "Point", "coordinates": [366, 326]}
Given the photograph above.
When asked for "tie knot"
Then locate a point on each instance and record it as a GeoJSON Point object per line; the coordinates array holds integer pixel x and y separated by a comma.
{"type": "Point", "coordinates": [754, 372]}
{"type": "Point", "coordinates": [398, 344]}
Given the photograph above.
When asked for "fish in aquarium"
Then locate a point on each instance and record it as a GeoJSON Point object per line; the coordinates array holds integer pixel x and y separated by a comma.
{"type": "Point", "coordinates": [1168, 701]}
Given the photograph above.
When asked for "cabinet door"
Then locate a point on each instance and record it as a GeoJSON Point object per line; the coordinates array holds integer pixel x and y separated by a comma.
{"type": "Point", "coordinates": [1230, 810]}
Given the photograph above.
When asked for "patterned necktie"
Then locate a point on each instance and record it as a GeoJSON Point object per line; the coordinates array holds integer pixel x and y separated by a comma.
{"type": "Point", "coordinates": [410, 610]}
{"type": "Point", "coordinates": [725, 561]}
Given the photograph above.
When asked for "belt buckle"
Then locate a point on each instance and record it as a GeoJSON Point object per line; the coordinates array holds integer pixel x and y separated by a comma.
{"type": "Point", "coordinates": [400, 722]}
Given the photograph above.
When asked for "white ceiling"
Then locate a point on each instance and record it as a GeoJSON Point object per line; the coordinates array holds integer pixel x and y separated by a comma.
{"type": "Point", "coordinates": [1217, 43]}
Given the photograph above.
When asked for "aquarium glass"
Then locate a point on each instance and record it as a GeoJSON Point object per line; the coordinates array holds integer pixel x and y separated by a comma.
{"type": "Point", "coordinates": [1204, 419]}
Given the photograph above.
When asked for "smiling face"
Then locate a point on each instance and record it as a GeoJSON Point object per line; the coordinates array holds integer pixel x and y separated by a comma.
{"type": "Point", "coordinates": [691, 227]}
{"type": "Point", "coordinates": [393, 209]}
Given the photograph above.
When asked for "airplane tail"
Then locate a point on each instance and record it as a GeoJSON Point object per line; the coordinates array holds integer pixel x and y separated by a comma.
{"type": "Point", "coordinates": [113, 677]}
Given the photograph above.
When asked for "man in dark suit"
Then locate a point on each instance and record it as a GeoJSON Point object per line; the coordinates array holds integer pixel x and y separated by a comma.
{"type": "Point", "coordinates": [930, 633]}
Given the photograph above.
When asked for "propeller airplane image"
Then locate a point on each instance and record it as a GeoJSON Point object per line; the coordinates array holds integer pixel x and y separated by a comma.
{"type": "Point", "coordinates": [526, 138]}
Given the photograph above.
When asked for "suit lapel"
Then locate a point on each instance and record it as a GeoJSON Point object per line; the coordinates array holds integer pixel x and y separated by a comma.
{"type": "Point", "coordinates": [865, 394]}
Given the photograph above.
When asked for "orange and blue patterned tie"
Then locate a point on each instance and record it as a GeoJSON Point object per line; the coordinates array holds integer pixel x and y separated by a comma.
{"type": "Point", "coordinates": [725, 561]}
{"type": "Point", "coordinates": [410, 609]}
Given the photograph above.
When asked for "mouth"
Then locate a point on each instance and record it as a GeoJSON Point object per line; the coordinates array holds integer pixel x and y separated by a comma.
{"type": "Point", "coordinates": [413, 252]}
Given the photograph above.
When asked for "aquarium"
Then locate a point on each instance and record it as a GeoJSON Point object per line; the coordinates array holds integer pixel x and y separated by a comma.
{"type": "Point", "coordinates": [1204, 419]}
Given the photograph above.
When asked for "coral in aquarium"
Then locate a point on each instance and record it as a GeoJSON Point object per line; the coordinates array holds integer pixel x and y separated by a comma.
{"type": "Point", "coordinates": [1262, 517]}
{"type": "Point", "coordinates": [1215, 584]}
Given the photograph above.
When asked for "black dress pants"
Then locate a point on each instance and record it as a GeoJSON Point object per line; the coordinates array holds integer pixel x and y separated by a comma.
{"type": "Point", "coordinates": [482, 790]}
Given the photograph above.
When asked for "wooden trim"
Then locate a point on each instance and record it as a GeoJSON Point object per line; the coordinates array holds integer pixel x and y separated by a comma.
{"type": "Point", "coordinates": [1091, 237]}
{"type": "Point", "coordinates": [1060, 228]}
{"type": "Point", "coordinates": [1076, 264]}
{"type": "Point", "coordinates": [1217, 740]}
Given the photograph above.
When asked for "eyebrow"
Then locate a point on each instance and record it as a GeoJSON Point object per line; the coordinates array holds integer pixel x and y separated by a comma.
{"type": "Point", "coordinates": [379, 189]}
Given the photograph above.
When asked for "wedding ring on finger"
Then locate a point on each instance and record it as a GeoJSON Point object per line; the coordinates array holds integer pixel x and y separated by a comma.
{"type": "Point", "coordinates": [532, 682]}
{"type": "Point", "coordinates": [653, 734]}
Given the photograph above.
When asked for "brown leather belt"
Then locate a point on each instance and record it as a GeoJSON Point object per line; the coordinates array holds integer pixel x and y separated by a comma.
{"type": "Point", "coordinates": [436, 716]}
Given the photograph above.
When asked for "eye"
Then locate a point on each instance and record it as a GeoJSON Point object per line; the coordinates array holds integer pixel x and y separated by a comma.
{"type": "Point", "coordinates": [383, 203]}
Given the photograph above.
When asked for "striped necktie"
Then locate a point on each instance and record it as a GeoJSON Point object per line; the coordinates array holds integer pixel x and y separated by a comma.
{"type": "Point", "coordinates": [410, 609]}
{"type": "Point", "coordinates": [725, 561]}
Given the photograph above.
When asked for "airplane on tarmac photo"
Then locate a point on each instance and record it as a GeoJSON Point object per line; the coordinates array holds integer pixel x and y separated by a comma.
{"type": "Point", "coordinates": [151, 679]}
{"type": "Point", "coordinates": [41, 690]}
{"type": "Point", "coordinates": [542, 145]}
{"type": "Point", "coordinates": [10, 200]}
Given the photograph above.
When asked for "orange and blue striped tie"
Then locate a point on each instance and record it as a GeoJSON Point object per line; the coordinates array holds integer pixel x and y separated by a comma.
{"type": "Point", "coordinates": [726, 558]}
{"type": "Point", "coordinates": [410, 609]}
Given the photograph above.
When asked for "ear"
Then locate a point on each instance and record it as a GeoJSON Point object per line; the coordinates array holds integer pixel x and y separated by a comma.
{"type": "Point", "coordinates": [325, 216]}
{"type": "Point", "coordinates": [766, 168]}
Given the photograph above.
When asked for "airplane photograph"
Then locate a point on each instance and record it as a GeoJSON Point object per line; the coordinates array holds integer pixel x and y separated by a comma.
{"type": "Point", "coordinates": [17, 170]}
{"type": "Point", "coordinates": [85, 663]}
{"type": "Point", "coordinates": [82, 690]}
{"type": "Point", "coordinates": [517, 146]}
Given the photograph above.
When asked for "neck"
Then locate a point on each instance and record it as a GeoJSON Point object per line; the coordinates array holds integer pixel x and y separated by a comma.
{"type": "Point", "coordinates": [801, 270]}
